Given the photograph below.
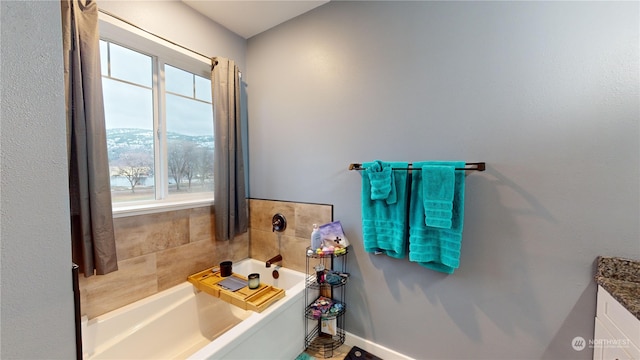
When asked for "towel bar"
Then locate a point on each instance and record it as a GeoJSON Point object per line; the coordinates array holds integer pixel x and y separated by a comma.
{"type": "Point", "coordinates": [471, 166]}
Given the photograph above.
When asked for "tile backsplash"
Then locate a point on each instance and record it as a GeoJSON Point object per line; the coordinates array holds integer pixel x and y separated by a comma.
{"type": "Point", "coordinates": [294, 239]}
{"type": "Point", "coordinates": [158, 251]}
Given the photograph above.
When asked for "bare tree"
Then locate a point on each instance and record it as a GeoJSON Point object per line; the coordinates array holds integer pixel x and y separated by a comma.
{"type": "Point", "coordinates": [135, 167]}
{"type": "Point", "coordinates": [196, 161]}
{"type": "Point", "coordinates": [180, 161]}
{"type": "Point", "coordinates": [204, 164]}
{"type": "Point", "coordinates": [191, 167]}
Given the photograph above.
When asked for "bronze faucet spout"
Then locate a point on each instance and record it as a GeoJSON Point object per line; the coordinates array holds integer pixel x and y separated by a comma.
{"type": "Point", "coordinates": [274, 259]}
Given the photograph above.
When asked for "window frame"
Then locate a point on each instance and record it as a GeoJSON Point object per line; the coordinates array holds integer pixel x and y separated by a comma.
{"type": "Point", "coordinates": [163, 53]}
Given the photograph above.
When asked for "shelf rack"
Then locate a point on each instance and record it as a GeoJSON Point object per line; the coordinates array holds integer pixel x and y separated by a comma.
{"type": "Point", "coordinates": [322, 343]}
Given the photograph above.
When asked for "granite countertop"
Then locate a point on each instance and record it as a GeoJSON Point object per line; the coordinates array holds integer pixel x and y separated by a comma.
{"type": "Point", "coordinates": [621, 278]}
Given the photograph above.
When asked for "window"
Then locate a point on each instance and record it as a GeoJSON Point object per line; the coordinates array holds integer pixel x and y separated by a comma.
{"type": "Point", "coordinates": [159, 122]}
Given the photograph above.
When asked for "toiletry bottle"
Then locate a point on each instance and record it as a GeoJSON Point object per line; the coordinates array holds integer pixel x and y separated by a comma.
{"type": "Point", "coordinates": [319, 273]}
{"type": "Point", "coordinates": [316, 239]}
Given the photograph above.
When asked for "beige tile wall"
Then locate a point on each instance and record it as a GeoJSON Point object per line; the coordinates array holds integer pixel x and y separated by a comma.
{"type": "Point", "coordinates": [296, 237]}
{"type": "Point", "coordinates": [158, 251]}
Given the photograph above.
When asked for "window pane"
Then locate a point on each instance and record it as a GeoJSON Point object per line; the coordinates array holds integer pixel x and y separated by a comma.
{"type": "Point", "coordinates": [178, 81]}
{"type": "Point", "coordinates": [203, 89]}
{"type": "Point", "coordinates": [190, 145]}
{"type": "Point", "coordinates": [130, 65]}
{"type": "Point", "coordinates": [131, 85]}
{"type": "Point", "coordinates": [129, 122]}
{"type": "Point", "coordinates": [104, 60]}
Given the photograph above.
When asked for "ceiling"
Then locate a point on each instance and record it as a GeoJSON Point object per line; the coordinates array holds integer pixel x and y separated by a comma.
{"type": "Point", "coordinates": [249, 18]}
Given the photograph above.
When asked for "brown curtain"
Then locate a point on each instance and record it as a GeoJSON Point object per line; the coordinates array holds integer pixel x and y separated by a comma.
{"type": "Point", "coordinates": [93, 242]}
{"type": "Point", "coordinates": [229, 189]}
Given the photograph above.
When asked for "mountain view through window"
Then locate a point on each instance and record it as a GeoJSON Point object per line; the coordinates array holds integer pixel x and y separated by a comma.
{"type": "Point", "coordinates": [159, 124]}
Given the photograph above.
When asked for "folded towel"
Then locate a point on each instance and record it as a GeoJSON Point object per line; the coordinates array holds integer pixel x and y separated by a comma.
{"type": "Point", "coordinates": [381, 179]}
{"type": "Point", "coordinates": [432, 247]}
{"type": "Point", "coordinates": [438, 186]}
{"type": "Point", "coordinates": [384, 223]}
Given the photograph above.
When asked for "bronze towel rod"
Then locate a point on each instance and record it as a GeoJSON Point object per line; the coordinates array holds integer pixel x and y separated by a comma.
{"type": "Point", "coordinates": [472, 166]}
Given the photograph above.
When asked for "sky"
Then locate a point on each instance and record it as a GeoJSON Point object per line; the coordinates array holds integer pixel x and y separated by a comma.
{"type": "Point", "coordinates": [130, 104]}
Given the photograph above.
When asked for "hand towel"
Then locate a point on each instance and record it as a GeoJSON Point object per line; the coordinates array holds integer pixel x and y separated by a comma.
{"type": "Point", "coordinates": [384, 224]}
{"type": "Point", "coordinates": [381, 179]}
{"type": "Point", "coordinates": [438, 184]}
{"type": "Point", "coordinates": [432, 247]}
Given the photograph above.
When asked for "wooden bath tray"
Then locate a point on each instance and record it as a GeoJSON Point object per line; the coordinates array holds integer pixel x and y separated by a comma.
{"type": "Point", "coordinates": [245, 298]}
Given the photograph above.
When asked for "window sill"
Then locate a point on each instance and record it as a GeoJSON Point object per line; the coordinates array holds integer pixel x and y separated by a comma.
{"type": "Point", "coordinates": [158, 206]}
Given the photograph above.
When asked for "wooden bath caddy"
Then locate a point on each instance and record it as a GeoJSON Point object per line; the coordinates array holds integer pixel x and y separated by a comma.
{"type": "Point", "coordinates": [245, 298]}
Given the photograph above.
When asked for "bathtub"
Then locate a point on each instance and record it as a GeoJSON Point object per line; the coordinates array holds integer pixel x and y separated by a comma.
{"type": "Point", "coordinates": [183, 323]}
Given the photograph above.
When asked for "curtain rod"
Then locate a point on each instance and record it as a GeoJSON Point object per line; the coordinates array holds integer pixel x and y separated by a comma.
{"type": "Point", "coordinates": [152, 34]}
{"type": "Point", "coordinates": [471, 166]}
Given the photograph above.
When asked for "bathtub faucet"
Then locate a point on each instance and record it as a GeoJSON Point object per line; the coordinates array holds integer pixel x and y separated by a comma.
{"type": "Point", "coordinates": [274, 259]}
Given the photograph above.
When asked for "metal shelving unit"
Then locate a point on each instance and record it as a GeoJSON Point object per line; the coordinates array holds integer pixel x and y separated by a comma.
{"type": "Point", "coordinates": [324, 339]}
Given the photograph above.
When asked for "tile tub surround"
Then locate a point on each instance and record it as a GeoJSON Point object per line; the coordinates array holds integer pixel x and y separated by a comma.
{"type": "Point", "coordinates": [296, 237]}
{"type": "Point", "coordinates": [621, 278]}
{"type": "Point", "coordinates": [156, 252]}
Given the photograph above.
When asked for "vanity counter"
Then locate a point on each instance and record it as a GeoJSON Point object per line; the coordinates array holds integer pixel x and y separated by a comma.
{"type": "Point", "coordinates": [621, 278]}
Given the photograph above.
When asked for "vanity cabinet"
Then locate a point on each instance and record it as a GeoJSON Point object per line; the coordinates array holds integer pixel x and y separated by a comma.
{"type": "Point", "coordinates": [617, 331]}
{"type": "Point", "coordinates": [325, 302]}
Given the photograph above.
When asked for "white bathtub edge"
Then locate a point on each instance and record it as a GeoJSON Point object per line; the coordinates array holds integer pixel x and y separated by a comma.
{"type": "Point", "coordinates": [373, 348]}
{"type": "Point", "coordinates": [284, 318]}
{"type": "Point", "coordinates": [240, 334]}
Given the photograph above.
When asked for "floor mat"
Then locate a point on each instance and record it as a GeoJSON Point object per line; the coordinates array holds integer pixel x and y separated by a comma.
{"type": "Point", "coordinates": [358, 354]}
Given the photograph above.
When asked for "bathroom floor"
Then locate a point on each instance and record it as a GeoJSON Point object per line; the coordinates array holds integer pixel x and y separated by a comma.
{"type": "Point", "coordinates": [338, 354]}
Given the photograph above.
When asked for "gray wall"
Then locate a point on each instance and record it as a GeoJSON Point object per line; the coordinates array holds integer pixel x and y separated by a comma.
{"type": "Point", "coordinates": [37, 296]}
{"type": "Point", "coordinates": [545, 93]}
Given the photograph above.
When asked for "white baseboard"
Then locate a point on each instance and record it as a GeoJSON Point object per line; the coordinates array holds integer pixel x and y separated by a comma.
{"type": "Point", "coordinates": [375, 349]}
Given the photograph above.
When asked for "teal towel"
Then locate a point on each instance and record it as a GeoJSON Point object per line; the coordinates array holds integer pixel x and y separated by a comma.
{"type": "Point", "coordinates": [438, 183]}
{"type": "Point", "coordinates": [382, 181]}
{"type": "Point", "coordinates": [384, 223]}
{"type": "Point", "coordinates": [432, 247]}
